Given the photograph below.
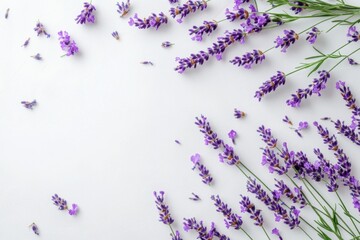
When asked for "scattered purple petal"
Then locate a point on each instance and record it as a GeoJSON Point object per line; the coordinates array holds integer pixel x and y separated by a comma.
{"type": "Point", "coordinates": [7, 13]}
{"type": "Point", "coordinates": [87, 14]}
{"type": "Point", "coordinates": [115, 35]}
{"type": "Point", "coordinates": [147, 63]}
{"type": "Point", "coordinates": [352, 61]}
{"type": "Point", "coordinates": [303, 125]}
{"type": "Point", "coordinates": [167, 44]}
{"type": "Point", "coordinates": [123, 8]}
{"type": "Point", "coordinates": [40, 29]}
{"type": "Point", "coordinates": [178, 142]}
{"type": "Point", "coordinates": [26, 43]}
{"type": "Point", "coordinates": [29, 105]}
{"type": "Point", "coordinates": [232, 135]}
{"type": "Point", "coordinates": [37, 57]}
{"type": "Point", "coordinates": [74, 209]}
{"type": "Point", "coordinates": [195, 197]}
{"type": "Point", "coordinates": [285, 41]}
{"type": "Point", "coordinates": [276, 232]}
{"type": "Point", "coordinates": [35, 229]}
{"type": "Point", "coordinates": [59, 202]}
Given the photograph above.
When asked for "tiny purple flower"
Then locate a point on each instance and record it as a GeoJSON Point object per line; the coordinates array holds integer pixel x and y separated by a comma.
{"type": "Point", "coordinates": [303, 125]}
{"type": "Point", "coordinates": [232, 135]}
{"type": "Point", "coordinates": [312, 35]}
{"type": "Point", "coordinates": [285, 41]}
{"type": "Point", "coordinates": [37, 57]}
{"type": "Point", "coordinates": [123, 8]}
{"type": "Point", "coordinates": [167, 44]}
{"type": "Point", "coordinates": [299, 6]}
{"type": "Point", "coordinates": [115, 35]}
{"type": "Point", "coordinates": [40, 29]}
{"type": "Point", "coordinates": [29, 105]}
{"type": "Point", "coordinates": [249, 58]}
{"type": "Point", "coordinates": [352, 61]}
{"type": "Point", "coordinates": [74, 209]}
{"type": "Point", "coordinates": [87, 14]}
{"type": "Point", "coordinates": [59, 202]}
{"type": "Point", "coordinates": [35, 228]}
{"type": "Point", "coordinates": [353, 34]}
{"type": "Point", "coordinates": [271, 85]}
{"type": "Point", "coordinates": [287, 120]}
{"type": "Point", "coordinates": [26, 43]}
{"type": "Point", "coordinates": [194, 197]}
{"type": "Point", "coordinates": [66, 44]}
{"type": "Point", "coordinates": [239, 114]}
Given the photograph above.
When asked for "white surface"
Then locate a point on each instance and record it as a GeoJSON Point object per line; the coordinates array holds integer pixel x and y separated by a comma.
{"type": "Point", "coordinates": [103, 133]}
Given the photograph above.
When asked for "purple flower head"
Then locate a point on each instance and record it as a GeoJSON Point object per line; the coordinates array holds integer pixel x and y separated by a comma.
{"type": "Point", "coordinates": [37, 57]}
{"type": "Point", "coordinates": [163, 208]}
{"type": "Point", "coordinates": [269, 158]}
{"type": "Point", "coordinates": [256, 22]}
{"type": "Point", "coordinates": [34, 228]}
{"type": "Point", "coordinates": [285, 41]}
{"type": "Point", "coordinates": [231, 219]}
{"type": "Point", "coordinates": [299, 6]}
{"type": "Point", "coordinates": [239, 114]}
{"type": "Point", "coordinates": [66, 44]}
{"type": "Point", "coordinates": [238, 3]}
{"type": "Point", "coordinates": [153, 21]}
{"type": "Point", "coordinates": [249, 58]}
{"type": "Point", "coordinates": [181, 11]}
{"type": "Point", "coordinates": [271, 85]}
{"type": "Point", "coordinates": [228, 156]}
{"type": "Point", "coordinates": [123, 8]}
{"type": "Point", "coordinates": [192, 62]}
{"type": "Point", "coordinates": [222, 43]}
{"type": "Point", "coordinates": [116, 35]}
{"type": "Point", "coordinates": [74, 209]}
{"type": "Point", "coordinates": [29, 105]}
{"type": "Point", "coordinates": [249, 207]}
{"type": "Point", "coordinates": [203, 232]}
{"type": "Point", "coordinates": [295, 197]}
{"type": "Point", "coordinates": [207, 28]}
{"type": "Point", "coordinates": [210, 137]}
{"type": "Point", "coordinates": [87, 14]}
{"type": "Point", "coordinates": [240, 13]}
{"type": "Point", "coordinates": [232, 135]}
{"type": "Point", "coordinates": [316, 86]}
{"type": "Point", "coordinates": [176, 236]}
{"type": "Point", "coordinates": [40, 29]}
{"type": "Point", "coordinates": [26, 43]}
{"type": "Point", "coordinates": [276, 232]}
{"type": "Point", "coordinates": [352, 61]}
{"type": "Point", "coordinates": [312, 35]}
{"type": "Point", "coordinates": [167, 44]}
{"type": "Point", "coordinates": [204, 172]}
{"type": "Point", "coordinates": [267, 137]}
{"type": "Point", "coordinates": [303, 125]}
{"type": "Point", "coordinates": [353, 34]}
{"type": "Point", "coordinates": [173, 1]}
{"type": "Point", "coordinates": [59, 202]}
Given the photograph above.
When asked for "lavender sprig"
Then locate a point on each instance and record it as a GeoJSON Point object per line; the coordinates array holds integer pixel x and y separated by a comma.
{"type": "Point", "coordinates": [67, 44]}
{"type": "Point", "coordinates": [40, 29]}
{"type": "Point", "coordinates": [207, 28]}
{"type": "Point", "coordinates": [204, 172]}
{"type": "Point", "coordinates": [285, 41]}
{"type": "Point", "coordinates": [123, 8]}
{"type": "Point", "coordinates": [312, 35]}
{"type": "Point", "coordinates": [239, 114]}
{"type": "Point", "coordinates": [153, 21]}
{"type": "Point", "coordinates": [249, 58]}
{"type": "Point", "coordinates": [231, 219]}
{"type": "Point", "coordinates": [203, 232]}
{"type": "Point", "coordinates": [59, 202]}
{"type": "Point", "coordinates": [164, 212]}
{"type": "Point", "coordinates": [210, 137]}
{"type": "Point", "coordinates": [271, 85]}
{"type": "Point", "coordinates": [181, 11]}
{"type": "Point", "coordinates": [249, 207]}
{"type": "Point", "coordinates": [87, 14]}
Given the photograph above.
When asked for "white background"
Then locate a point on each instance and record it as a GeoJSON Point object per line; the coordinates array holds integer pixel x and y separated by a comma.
{"type": "Point", "coordinates": [102, 135]}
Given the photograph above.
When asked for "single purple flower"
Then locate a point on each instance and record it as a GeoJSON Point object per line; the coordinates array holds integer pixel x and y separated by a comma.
{"type": "Point", "coordinates": [239, 114]}
{"type": "Point", "coordinates": [153, 21]}
{"type": "Point", "coordinates": [123, 8]}
{"type": "Point", "coordinates": [210, 137]}
{"type": "Point", "coordinates": [181, 11]}
{"type": "Point", "coordinates": [29, 105]}
{"type": "Point", "coordinates": [204, 172]}
{"type": "Point", "coordinates": [115, 35]}
{"type": "Point", "coordinates": [26, 43]}
{"type": "Point", "coordinates": [40, 29]}
{"type": "Point", "coordinates": [87, 14]}
{"type": "Point", "coordinates": [7, 13]}
{"type": "Point", "coordinates": [353, 34]}
{"type": "Point", "coordinates": [231, 219]}
{"type": "Point", "coordinates": [287, 120]}
{"type": "Point", "coordinates": [35, 228]}
{"type": "Point", "coordinates": [299, 6]}
{"type": "Point", "coordinates": [207, 28]}
{"type": "Point", "coordinates": [164, 212]}
{"type": "Point", "coordinates": [352, 61]}
{"type": "Point", "coordinates": [167, 44]}
{"type": "Point", "coordinates": [271, 85]}
{"type": "Point", "coordinates": [66, 44]}
{"type": "Point", "coordinates": [74, 209]}
{"type": "Point", "coordinates": [59, 202]}
{"type": "Point", "coordinates": [37, 57]}
{"type": "Point", "coordinates": [195, 197]}
{"type": "Point", "coordinates": [249, 207]}
{"type": "Point", "coordinates": [276, 232]}
{"type": "Point", "coordinates": [303, 125]}
{"type": "Point", "coordinates": [312, 35]}
{"type": "Point", "coordinates": [249, 58]}
{"type": "Point", "coordinates": [203, 232]}
{"type": "Point", "coordinates": [232, 135]}
{"type": "Point", "coordinates": [285, 41]}
{"type": "Point", "coordinates": [240, 13]}
{"type": "Point", "coordinates": [316, 86]}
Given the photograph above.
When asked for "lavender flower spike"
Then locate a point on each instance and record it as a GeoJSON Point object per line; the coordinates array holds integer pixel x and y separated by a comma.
{"type": "Point", "coordinates": [204, 172]}
{"type": "Point", "coordinates": [316, 86]}
{"type": "Point", "coordinates": [210, 137]}
{"type": "Point", "coordinates": [285, 41]}
{"type": "Point", "coordinates": [192, 62]}
{"type": "Point", "coordinates": [164, 213]}
{"type": "Point", "coordinates": [271, 85]}
{"type": "Point", "coordinates": [29, 105]}
{"type": "Point", "coordinates": [353, 34]}
{"type": "Point", "coordinates": [180, 12]}
{"type": "Point", "coordinates": [153, 21]}
{"type": "Point", "coordinates": [267, 137]}
{"type": "Point", "coordinates": [40, 29]}
{"type": "Point", "coordinates": [248, 59]}
{"type": "Point", "coordinates": [312, 35]}
{"type": "Point", "coordinates": [67, 44]}
{"type": "Point", "coordinates": [207, 28]}
{"type": "Point", "coordinates": [239, 114]}
{"type": "Point", "coordinates": [232, 220]}
{"type": "Point", "coordinates": [87, 14]}
{"type": "Point", "coordinates": [228, 156]}
{"type": "Point", "coordinates": [176, 236]}
{"type": "Point", "coordinates": [123, 8]}
{"type": "Point", "coordinates": [59, 202]}
{"type": "Point", "coordinates": [249, 207]}
{"type": "Point", "coordinates": [240, 13]}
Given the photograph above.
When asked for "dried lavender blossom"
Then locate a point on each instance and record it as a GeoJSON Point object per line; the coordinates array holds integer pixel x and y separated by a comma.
{"type": "Point", "coordinates": [7, 13]}
{"type": "Point", "coordinates": [40, 29]}
{"type": "Point", "coordinates": [353, 34]}
{"type": "Point", "coordinates": [271, 85]}
{"type": "Point", "coordinates": [37, 57]}
{"type": "Point", "coordinates": [231, 219]}
{"type": "Point", "coordinates": [66, 44]}
{"type": "Point", "coordinates": [147, 63]}
{"type": "Point", "coordinates": [249, 58]}
{"type": "Point", "coordinates": [249, 207]}
{"type": "Point", "coordinates": [239, 114]}
{"type": "Point", "coordinates": [181, 11]}
{"type": "Point", "coordinates": [153, 21]}
{"type": "Point", "coordinates": [287, 120]}
{"type": "Point", "coordinates": [210, 137]}
{"type": "Point", "coordinates": [352, 61]}
{"type": "Point", "coordinates": [164, 212]}
{"type": "Point", "coordinates": [29, 105]}
{"type": "Point", "coordinates": [123, 8]}
{"type": "Point", "coordinates": [204, 172]}
{"type": "Point", "coordinates": [167, 44]}
{"type": "Point", "coordinates": [178, 142]}
{"type": "Point", "coordinates": [87, 14]}
{"type": "Point", "coordinates": [285, 41]}
{"type": "Point", "coordinates": [26, 43]}
{"type": "Point", "coordinates": [115, 35]}
{"type": "Point", "coordinates": [312, 35]}
{"type": "Point", "coordinates": [240, 13]}
{"type": "Point", "coordinates": [207, 28]}
{"type": "Point", "coordinates": [59, 202]}
{"type": "Point", "coordinates": [195, 197]}
{"type": "Point", "coordinates": [299, 6]}
{"type": "Point", "coordinates": [316, 86]}
{"type": "Point", "coordinates": [35, 228]}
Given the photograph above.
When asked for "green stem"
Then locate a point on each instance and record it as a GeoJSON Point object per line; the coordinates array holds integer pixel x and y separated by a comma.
{"type": "Point", "coordinates": [266, 233]}
{"type": "Point", "coordinates": [317, 24]}
{"type": "Point", "coordinates": [305, 233]}
{"type": "Point", "coordinates": [344, 206]}
{"type": "Point", "coordinates": [343, 59]}
{"type": "Point", "coordinates": [172, 230]}
{"type": "Point", "coordinates": [246, 234]}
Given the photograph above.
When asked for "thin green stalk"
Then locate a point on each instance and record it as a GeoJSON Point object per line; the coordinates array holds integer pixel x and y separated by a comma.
{"type": "Point", "coordinates": [266, 233]}
{"type": "Point", "coordinates": [344, 206]}
{"type": "Point", "coordinates": [246, 234]}
{"type": "Point", "coordinates": [172, 230]}
{"type": "Point", "coordinates": [343, 59]}
{"type": "Point", "coordinates": [305, 232]}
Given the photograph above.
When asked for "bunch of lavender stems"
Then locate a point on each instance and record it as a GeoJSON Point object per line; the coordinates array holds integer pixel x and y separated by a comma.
{"type": "Point", "coordinates": [211, 138]}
